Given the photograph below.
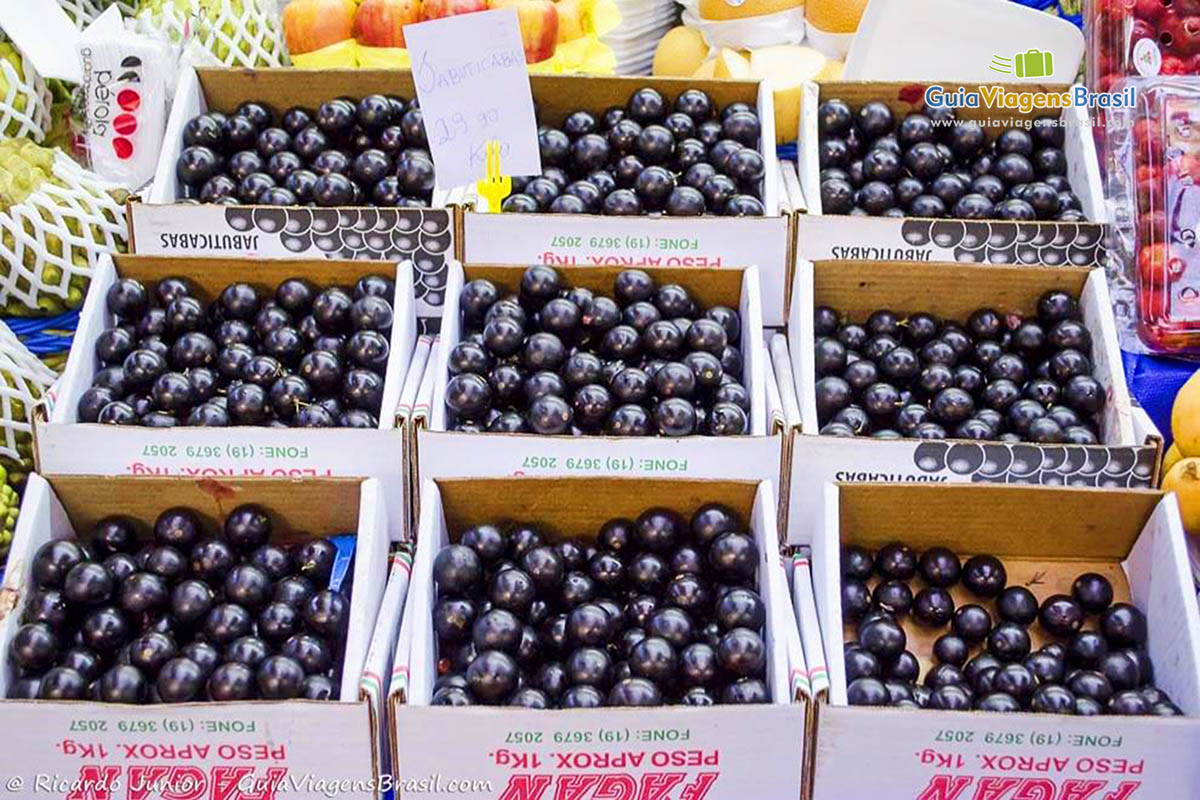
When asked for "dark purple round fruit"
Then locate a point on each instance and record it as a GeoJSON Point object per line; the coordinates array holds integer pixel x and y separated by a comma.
{"type": "Point", "coordinates": [984, 576]}
{"type": "Point", "coordinates": [1017, 604]}
{"type": "Point", "coordinates": [1060, 616]}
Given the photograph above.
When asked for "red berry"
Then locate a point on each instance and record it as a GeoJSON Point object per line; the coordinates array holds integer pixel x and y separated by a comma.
{"type": "Point", "coordinates": [1149, 10]}
{"type": "Point", "coordinates": [1173, 65]}
{"type": "Point", "coordinates": [1185, 8]}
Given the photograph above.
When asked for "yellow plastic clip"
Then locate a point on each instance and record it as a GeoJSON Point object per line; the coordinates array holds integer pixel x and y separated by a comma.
{"type": "Point", "coordinates": [495, 187]}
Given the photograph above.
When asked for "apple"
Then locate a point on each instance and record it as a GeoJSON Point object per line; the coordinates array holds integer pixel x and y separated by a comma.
{"type": "Point", "coordinates": [539, 26]}
{"type": "Point", "coordinates": [436, 9]}
{"type": "Point", "coordinates": [570, 20]}
{"type": "Point", "coordinates": [309, 25]}
{"type": "Point", "coordinates": [380, 23]}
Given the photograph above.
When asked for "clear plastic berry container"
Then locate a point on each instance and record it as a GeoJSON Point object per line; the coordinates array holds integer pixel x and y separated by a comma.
{"type": "Point", "coordinates": [1154, 180]}
{"type": "Point", "coordinates": [1141, 37]}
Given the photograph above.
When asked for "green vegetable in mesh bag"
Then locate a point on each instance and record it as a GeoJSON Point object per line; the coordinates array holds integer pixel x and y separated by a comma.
{"type": "Point", "coordinates": [24, 99]}
{"type": "Point", "coordinates": [24, 380]}
{"type": "Point", "coordinates": [238, 33]}
{"type": "Point", "coordinates": [56, 220]}
{"type": "Point", "coordinates": [10, 505]}
{"type": "Point", "coordinates": [82, 12]}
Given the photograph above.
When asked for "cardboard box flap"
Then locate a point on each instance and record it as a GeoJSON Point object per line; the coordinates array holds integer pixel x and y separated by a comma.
{"type": "Point", "coordinates": [808, 621]}
{"type": "Point", "coordinates": [787, 382]}
{"type": "Point", "coordinates": [1161, 585]}
{"type": "Point", "coordinates": [772, 587]}
{"type": "Point", "coordinates": [188, 102]}
{"type": "Point", "coordinates": [378, 665]}
{"type": "Point", "coordinates": [799, 682]}
{"type": "Point", "coordinates": [412, 380]}
{"type": "Point", "coordinates": [791, 187]}
{"type": "Point", "coordinates": [776, 419]}
{"type": "Point", "coordinates": [370, 581]}
{"type": "Point", "coordinates": [800, 344]}
{"type": "Point", "coordinates": [827, 584]}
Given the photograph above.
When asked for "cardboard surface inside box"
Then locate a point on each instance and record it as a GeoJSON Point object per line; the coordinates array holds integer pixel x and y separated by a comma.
{"type": "Point", "coordinates": [952, 291]}
{"type": "Point", "coordinates": [820, 236]}
{"type": "Point", "coordinates": [443, 453]}
{"type": "Point", "coordinates": [595, 240]}
{"type": "Point", "coordinates": [722, 750]}
{"type": "Point", "coordinates": [65, 446]}
{"type": "Point", "coordinates": [267, 742]}
{"type": "Point", "coordinates": [1045, 537]}
{"type": "Point", "coordinates": [164, 226]}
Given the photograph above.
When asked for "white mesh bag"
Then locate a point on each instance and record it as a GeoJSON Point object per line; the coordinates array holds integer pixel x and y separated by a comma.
{"type": "Point", "coordinates": [82, 12]}
{"type": "Point", "coordinates": [24, 98]}
{"type": "Point", "coordinates": [56, 220]}
{"type": "Point", "coordinates": [24, 380]}
{"type": "Point", "coordinates": [238, 33]}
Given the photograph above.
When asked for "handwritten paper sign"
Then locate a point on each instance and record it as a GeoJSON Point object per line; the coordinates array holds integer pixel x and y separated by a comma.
{"type": "Point", "coordinates": [473, 87]}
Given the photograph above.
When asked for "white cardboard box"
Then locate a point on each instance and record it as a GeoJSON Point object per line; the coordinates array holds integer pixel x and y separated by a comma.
{"type": "Point", "coordinates": [1135, 537]}
{"type": "Point", "coordinates": [1131, 451]}
{"type": "Point", "coordinates": [594, 240]}
{"type": "Point", "coordinates": [303, 748]}
{"type": "Point", "coordinates": [664, 752]}
{"type": "Point", "coordinates": [163, 226]}
{"type": "Point", "coordinates": [445, 454]}
{"type": "Point", "coordinates": [65, 446]}
{"type": "Point", "coordinates": [821, 237]}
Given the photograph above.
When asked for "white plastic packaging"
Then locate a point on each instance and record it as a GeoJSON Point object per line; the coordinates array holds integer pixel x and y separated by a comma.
{"type": "Point", "coordinates": [125, 85]}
